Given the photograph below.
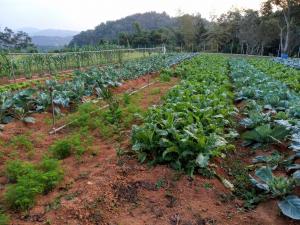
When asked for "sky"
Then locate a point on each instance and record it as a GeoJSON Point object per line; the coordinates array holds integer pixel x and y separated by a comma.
{"type": "Point", "coordinates": [86, 14]}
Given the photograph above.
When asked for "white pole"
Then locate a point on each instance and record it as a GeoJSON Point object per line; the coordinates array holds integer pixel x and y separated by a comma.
{"type": "Point", "coordinates": [164, 49]}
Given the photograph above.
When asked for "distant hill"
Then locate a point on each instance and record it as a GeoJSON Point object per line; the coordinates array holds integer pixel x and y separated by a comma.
{"type": "Point", "coordinates": [51, 40]}
{"type": "Point", "coordinates": [111, 29]}
{"type": "Point", "coordinates": [48, 32]}
{"type": "Point", "coordinates": [29, 30]}
{"type": "Point", "coordinates": [55, 33]}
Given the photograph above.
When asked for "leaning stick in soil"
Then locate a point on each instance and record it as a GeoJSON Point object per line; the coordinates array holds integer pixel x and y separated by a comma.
{"type": "Point", "coordinates": [53, 109]}
{"type": "Point", "coordinates": [53, 131]}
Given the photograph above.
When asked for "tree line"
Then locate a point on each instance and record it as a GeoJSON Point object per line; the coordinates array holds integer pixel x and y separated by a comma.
{"type": "Point", "coordinates": [11, 41]}
{"type": "Point", "coordinates": [272, 30]}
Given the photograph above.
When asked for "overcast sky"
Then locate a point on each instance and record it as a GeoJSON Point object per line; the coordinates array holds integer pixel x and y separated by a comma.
{"type": "Point", "coordinates": [86, 14]}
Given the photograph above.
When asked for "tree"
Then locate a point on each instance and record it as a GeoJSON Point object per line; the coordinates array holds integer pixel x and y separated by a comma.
{"type": "Point", "coordinates": [200, 30]}
{"type": "Point", "coordinates": [187, 28]}
{"type": "Point", "coordinates": [124, 39]}
{"type": "Point", "coordinates": [267, 33]}
{"type": "Point", "coordinates": [216, 37]}
{"type": "Point", "coordinates": [19, 41]}
{"type": "Point", "coordinates": [286, 9]}
{"type": "Point", "coordinates": [248, 31]}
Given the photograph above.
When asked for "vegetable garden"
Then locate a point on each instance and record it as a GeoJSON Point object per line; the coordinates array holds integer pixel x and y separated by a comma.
{"type": "Point", "coordinates": [14, 65]}
{"type": "Point", "coordinates": [181, 138]}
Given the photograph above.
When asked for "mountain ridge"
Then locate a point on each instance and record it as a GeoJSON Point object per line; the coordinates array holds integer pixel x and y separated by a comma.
{"type": "Point", "coordinates": [32, 31]}
{"type": "Point", "coordinates": [111, 29]}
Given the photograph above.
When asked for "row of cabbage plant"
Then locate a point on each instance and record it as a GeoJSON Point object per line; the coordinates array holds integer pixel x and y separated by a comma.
{"type": "Point", "coordinates": [271, 116]}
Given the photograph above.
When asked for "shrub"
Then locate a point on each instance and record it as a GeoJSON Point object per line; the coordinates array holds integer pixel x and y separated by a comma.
{"type": "Point", "coordinates": [165, 75]}
{"type": "Point", "coordinates": [131, 114]}
{"type": "Point", "coordinates": [21, 196]}
{"type": "Point", "coordinates": [31, 180]}
{"type": "Point", "coordinates": [83, 117]}
{"type": "Point", "coordinates": [51, 174]}
{"type": "Point", "coordinates": [22, 142]}
{"type": "Point", "coordinates": [73, 144]}
{"type": "Point", "coordinates": [114, 114]}
{"type": "Point", "coordinates": [17, 168]}
{"type": "Point", "coordinates": [106, 130]}
{"type": "Point", "coordinates": [61, 149]}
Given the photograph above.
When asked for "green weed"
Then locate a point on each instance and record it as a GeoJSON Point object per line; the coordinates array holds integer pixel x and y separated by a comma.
{"type": "Point", "coordinates": [106, 130]}
{"type": "Point", "coordinates": [4, 219]}
{"type": "Point", "coordinates": [74, 144]}
{"type": "Point", "coordinates": [130, 114]}
{"type": "Point", "coordinates": [165, 75]}
{"type": "Point", "coordinates": [155, 91]}
{"type": "Point", "coordinates": [126, 98]}
{"type": "Point", "coordinates": [56, 204]}
{"type": "Point", "coordinates": [17, 168]}
{"type": "Point", "coordinates": [83, 117]}
{"type": "Point", "coordinates": [243, 186]}
{"type": "Point", "coordinates": [48, 121]}
{"type": "Point", "coordinates": [114, 113]}
{"type": "Point", "coordinates": [22, 142]}
{"type": "Point", "coordinates": [62, 149]}
{"type": "Point", "coordinates": [30, 180]}
{"type": "Point", "coordinates": [160, 183]}
{"type": "Point", "coordinates": [208, 186]}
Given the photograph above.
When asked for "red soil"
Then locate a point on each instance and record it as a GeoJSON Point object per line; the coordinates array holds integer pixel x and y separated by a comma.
{"type": "Point", "coordinates": [107, 189]}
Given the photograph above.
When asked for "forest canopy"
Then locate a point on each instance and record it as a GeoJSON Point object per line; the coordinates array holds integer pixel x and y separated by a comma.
{"type": "Point", "coordinates": [15, 41]}
{"type": "Point", "coordinates": [273, 29]}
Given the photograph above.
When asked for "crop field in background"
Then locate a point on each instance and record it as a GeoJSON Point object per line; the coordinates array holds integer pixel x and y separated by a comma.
{"type": "Point", "coordinates": [177, 138]}
{"type": "Point", "coordinates": [16, 65]}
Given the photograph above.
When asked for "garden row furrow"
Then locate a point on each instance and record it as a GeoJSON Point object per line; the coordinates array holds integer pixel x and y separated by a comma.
{"type": "Point", "coordinates": [271, 116]}
{"type": "Point", "coordinates": [290, 62]}
{"type": "Point", "coordinates": [191, 126]}
{"type": "Point", "coordinates": [19, 105]}
{"type": "Point", "coordinates": [288, 75]}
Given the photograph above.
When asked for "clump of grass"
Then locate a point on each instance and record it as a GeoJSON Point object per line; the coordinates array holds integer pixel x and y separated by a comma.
{"type": "Point", "coordinates": [207, 186]}
{"type": "Point", "coordinates": [48, 121]}
{"type": "Point", "coordinates": [28, 181]}
{"type": "Point", "coordinates": [74, 144]}
{"type": "Point", "coordinates": [101, 120]}
{"type": "Point", "coordinates": [17, 168]}
{"type": "Point", "coordinates": [126, 98]}
{"type": "Point", "coordinates": [106, 130]}
{"type": "Point", "coordinates": [4, 219]}
{"type": "Point", "coordinates": [114, 114]}
{"type": "Point", "coordinates": [242, 183]}
{"type": "Point", "coordinates": [165, 75]}
{"type": "Point", "coordinates": [161, 183]}
{"type": "Point", "coordinates": [155, 91]}
{"type": "Point", "coordinates": [130, 114]}
{"type": "Point", "coordinates": [1, 155]}
{"type": "Point", "coordinates": [62, 149]}
{"type": "Point", "coordinates": [22, 142]}
{"type": "Point", "coordinates": [82, 117]}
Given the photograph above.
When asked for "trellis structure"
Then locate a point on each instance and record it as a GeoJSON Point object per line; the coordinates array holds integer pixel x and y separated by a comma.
{"type": "Point", "coordinates": [14, 65]}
